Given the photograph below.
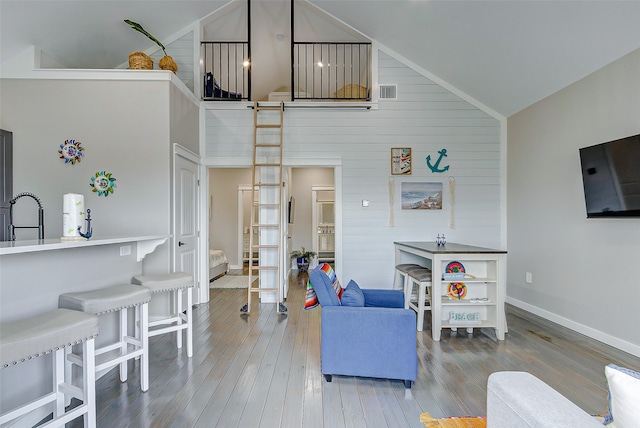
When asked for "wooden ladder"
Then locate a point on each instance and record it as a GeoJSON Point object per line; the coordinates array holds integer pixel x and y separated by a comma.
{"type": "Point", "coordinates": [266, 205]}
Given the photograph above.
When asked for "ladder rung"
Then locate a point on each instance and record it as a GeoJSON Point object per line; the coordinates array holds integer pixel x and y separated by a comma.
{"type": "Point", "coordinates": [268, 145]}
{"type": "Point", "coordinates": [267, 184]}
{"type": "Point", "coordinates": [265, 246]}
{"type": "Point", "coordinates": [258, 290]}
{"type": "Point", "coordinates": [268, 108]}
{"type": "Point", "coordinates": [268, 125]}
{"type": "Point", "coordinates": [267, 267]}
{"type": "Point", "coordinates": [267, 164]}
{"type": "Point", "coordinates": [266, 225]}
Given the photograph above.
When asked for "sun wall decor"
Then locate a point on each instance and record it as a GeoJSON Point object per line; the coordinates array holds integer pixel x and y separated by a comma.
{"type": "Point", "coordinates": [71, 151]}
{"type": "Point", "coordinates": [103, 183]}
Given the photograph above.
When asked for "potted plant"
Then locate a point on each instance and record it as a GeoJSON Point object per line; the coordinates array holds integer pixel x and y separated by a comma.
{"type": "Point", "coordinates": [165, 63]}
{"type": "Point", "coordinates": [303, 257]}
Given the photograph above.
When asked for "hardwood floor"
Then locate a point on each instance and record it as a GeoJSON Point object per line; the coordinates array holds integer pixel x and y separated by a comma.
{"type": "Point", "coordinates": [263, 370]}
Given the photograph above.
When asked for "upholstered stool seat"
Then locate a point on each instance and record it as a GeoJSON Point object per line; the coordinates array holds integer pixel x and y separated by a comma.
{"type": "Point", "coordinates": [400, 278]}
{"type": "Point", "coordinates": [174, 283]}
{"type": "Point", "coordinates": [422, 279]}
{"type": "Point", "coordinates": [117, 298]}
{"type": "Point", "coordinates": [53, 332]}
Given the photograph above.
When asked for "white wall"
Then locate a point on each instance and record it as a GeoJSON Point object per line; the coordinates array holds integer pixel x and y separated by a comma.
{"type": "Point", "coordinates": [123, 127]}
{"type": "Point", "coordinates": [425, 117]}
{"type": "Point", "coordinates": [583, 269]}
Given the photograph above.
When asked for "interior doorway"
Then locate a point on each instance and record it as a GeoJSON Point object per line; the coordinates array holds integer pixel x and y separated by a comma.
{"type": "Point", "coordinates": [229, 194]}
{"type": "Point", "coordinates": [323, 223]}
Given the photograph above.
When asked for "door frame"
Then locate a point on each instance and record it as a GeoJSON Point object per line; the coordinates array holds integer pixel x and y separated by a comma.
{"type": "Point", "coordinates": [335, 163]}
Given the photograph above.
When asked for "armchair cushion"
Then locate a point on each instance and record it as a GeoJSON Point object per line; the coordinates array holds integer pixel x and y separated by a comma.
{"type": "Point", "coordinates": [353, 295]}
{"type": "Point", "coordinates": [326, 285]}
{"type": "Point", "coordinates": [383, 298]}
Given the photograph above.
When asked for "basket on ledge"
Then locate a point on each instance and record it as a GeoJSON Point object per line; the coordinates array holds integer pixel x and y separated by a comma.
{"type": "Point", "coordinates": [167, 63]}
{"type": "Point", "coordinates": [140, 61]}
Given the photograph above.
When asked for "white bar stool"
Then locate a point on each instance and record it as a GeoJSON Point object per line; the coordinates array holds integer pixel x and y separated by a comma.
{"type": "Point", "coordinates": [421, 278]}
{"type": "Point", "coordinates": [401, 275]}
{"type": "Point", "coordinates": [53, 332]}
{"type": "Point", "coordinates": [111, 299]}
{"type": "Point", "coordinates": [173, 283]}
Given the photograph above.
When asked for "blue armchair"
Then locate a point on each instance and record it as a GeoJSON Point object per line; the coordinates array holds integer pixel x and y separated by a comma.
{"type": "Point", "coordinates": [375, 338]}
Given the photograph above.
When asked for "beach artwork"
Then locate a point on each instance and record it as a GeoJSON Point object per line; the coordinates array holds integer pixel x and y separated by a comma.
{"type": "Point", "coordinates": [421, 196]}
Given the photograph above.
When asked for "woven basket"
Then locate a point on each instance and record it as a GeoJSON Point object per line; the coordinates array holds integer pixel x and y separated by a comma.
{"type": "Point", "coordinates": [167, 63]}
{"type": "Point", "coordinates": [140, 61]}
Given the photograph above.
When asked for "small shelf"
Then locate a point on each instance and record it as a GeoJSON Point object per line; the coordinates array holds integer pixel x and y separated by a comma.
{"type": "Point", "coordinates": [481, 324]}
{"type": "Point", "coordinates": [445, 301]}
{"type": "Point", "coordinates": [470, 280]}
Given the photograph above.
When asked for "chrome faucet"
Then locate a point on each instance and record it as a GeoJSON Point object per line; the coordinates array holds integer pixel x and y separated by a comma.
{"type": "Point", "coordinates": [40, 226]}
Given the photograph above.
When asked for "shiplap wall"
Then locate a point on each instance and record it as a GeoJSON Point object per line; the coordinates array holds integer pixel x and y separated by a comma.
{"type": "Point", "coordinates": [424, 117]}
{"type": "Point", "coordinates": [181, 50]}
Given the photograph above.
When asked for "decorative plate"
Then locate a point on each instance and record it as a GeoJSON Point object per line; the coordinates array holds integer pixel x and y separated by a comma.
{"type": "Point", "coordinates": [103, 183]}
{"type": "Point", "coordinates": [454, 267]}
{"type": "Point", "coordinates": [457, 290]}
{"type": "Point", "coordinates": [71, 151]}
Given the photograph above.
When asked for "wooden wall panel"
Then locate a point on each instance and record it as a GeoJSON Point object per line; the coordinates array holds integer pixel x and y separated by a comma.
{"type": "Point", "coordinates": [425, 117]}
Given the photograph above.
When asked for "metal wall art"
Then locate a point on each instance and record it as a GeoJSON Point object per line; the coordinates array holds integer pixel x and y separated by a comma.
{"type": "Point", "coordinates": [71, 151]}
{"type": "Point", "coordinates": [103, 183]}
{"type": "Point", "coordinates": [436, 166]}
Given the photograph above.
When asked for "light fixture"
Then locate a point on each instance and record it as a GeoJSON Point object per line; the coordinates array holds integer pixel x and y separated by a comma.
{"type": "Point", "coordinates": [245, 63]}
{"type": "Point", "coordinates": [320, 64]}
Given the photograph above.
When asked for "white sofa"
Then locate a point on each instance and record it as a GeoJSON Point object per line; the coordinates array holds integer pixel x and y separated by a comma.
{"type": "Point", "coordinates": [519, 399]}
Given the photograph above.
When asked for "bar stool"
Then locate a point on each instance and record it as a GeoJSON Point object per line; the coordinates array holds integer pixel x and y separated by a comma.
{"type": "Point", "coordinates": [53, 332]}
{"type": "Point", "coordinates": [173, 283]}
{"type": "Point", "coordinates": [421, 278]}
{"type": "Point", "coordinates": [401, 274]}
{"type": "Point", "coordinates": [111, 299]}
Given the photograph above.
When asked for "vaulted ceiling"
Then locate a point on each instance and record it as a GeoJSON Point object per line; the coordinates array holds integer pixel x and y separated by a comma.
{"type": "Point", "coordinates": [506, 54]}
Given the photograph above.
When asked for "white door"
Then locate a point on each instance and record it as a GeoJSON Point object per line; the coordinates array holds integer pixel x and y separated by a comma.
{"type": "Point", "coordinates": [185, 226]}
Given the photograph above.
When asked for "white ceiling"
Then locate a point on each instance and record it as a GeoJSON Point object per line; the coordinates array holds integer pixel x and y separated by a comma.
{"type": "Point", "coordinates": [506, 54]}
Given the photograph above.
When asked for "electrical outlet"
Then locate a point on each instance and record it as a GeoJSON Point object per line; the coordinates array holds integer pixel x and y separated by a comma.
{"type": "Point", "coordinates": [125, 250]}
{"type": "Point", "coordinates": [528, 278]}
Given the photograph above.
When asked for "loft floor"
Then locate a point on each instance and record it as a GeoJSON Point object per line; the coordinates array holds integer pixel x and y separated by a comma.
{"type": "Point", "coordinates": [263, 370]}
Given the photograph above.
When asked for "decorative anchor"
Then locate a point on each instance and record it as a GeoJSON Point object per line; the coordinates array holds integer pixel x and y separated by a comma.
{"type": "Point", "coordinates": [434, 168]}
{"type": "Point", "coordinates": [89, 229]}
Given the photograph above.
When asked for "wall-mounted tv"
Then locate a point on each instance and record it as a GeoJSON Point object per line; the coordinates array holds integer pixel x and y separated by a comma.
{"type": "Point", "coordinates": [611, 178]}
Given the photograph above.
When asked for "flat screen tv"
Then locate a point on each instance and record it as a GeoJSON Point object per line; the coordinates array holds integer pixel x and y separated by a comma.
{"type": "Point", "coordinates": [611, 178]}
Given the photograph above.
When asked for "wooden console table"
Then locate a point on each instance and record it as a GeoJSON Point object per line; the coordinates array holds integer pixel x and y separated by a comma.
{"type": "Point", "coordinates": [485, 285]}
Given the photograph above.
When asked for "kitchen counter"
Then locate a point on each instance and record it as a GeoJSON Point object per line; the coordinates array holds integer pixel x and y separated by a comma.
{"type": "Point", "coordinates": [145, 244]}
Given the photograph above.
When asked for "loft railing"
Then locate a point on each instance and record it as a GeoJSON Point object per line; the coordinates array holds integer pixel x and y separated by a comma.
{"type": "Point", "coordinates": [331, 71]}
{"type": "Point", "coordinates": [226, 74]}
{"type": "Point", "coordinates": [320, 71]}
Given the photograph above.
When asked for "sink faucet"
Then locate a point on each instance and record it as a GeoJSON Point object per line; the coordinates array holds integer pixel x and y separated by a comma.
{"type": "Point", "coordinates": [40, 226]}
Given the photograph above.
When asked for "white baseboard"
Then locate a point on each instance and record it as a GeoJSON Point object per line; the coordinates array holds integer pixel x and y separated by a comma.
{"type": "Point", "coordinates": [598, 335]}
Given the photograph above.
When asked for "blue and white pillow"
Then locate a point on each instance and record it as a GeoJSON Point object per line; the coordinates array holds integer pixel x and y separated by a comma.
{"type": "Point", "coordinates": [624, 397]}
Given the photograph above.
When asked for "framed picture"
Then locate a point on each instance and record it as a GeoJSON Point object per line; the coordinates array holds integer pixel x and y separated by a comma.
{"type": "Point", "coordinates": [401, 161]}
{"type": "Point", "coordinates": [421, 196]}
